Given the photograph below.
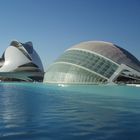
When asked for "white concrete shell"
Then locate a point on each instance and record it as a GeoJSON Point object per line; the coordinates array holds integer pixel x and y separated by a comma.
{"type": "Point", "coordinates": [110, 51]}
{"type": "Point", "coordinates": [21, 59]}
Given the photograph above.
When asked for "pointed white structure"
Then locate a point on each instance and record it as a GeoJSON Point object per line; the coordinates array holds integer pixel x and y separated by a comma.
{"type": "Point", "coordinates": [20, 62]}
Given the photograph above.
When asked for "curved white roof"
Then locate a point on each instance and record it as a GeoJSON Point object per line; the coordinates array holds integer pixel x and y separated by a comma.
{"type": "Point", "coordinates": [110, 51]}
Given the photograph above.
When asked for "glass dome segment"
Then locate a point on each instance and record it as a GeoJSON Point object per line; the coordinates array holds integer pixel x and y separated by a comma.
{"type": "Point", "coordinates": [93, 62]}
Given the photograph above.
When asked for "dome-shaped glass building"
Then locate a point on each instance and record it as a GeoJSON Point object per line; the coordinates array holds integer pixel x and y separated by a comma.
{"type": "Point", "coordinates": [94, 62]}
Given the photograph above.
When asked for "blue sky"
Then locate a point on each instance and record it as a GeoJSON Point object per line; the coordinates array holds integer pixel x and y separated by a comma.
{"type": "Point", "coordinates": [55, 25]}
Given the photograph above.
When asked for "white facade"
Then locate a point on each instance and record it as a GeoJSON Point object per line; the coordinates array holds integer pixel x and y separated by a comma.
{"type": "Point", "coordinates": [21, 58]}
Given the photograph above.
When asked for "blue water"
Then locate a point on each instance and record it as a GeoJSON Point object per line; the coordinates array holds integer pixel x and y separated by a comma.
{"type": "Point", "coordinates": [40, 112]}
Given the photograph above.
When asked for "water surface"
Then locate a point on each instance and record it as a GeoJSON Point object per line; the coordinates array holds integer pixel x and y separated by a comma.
{"type": "Point", "coordinates": [44, 112]}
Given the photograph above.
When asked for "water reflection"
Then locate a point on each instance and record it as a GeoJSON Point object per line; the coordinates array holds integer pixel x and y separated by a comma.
{"type": "Point", "coordinates": [40, 112]}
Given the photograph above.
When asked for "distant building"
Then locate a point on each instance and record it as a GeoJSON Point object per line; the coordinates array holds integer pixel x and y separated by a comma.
{"type": "Point", "coordinates": [94, 62]}
{"type": "Point", "coordinates": [20, 62]}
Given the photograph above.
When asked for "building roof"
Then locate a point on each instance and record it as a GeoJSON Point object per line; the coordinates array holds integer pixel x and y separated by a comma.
{"type": "Point", "coordinates": [110, 51]}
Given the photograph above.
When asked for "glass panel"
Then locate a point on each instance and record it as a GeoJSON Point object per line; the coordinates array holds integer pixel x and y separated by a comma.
{"type": "Point", "coordinates": [90, 61]}
{"type": "Point", "coordinates": [65, 73]}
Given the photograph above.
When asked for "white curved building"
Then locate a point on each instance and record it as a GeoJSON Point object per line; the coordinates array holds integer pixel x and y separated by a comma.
{"type": "Point", "coordinates": [94, 62]}
{"type": "Point", "coordinates": [20, 62]}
